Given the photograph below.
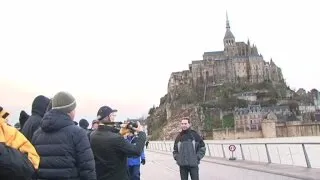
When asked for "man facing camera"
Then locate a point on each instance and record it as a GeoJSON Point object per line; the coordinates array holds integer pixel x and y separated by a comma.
{"type": "Point", "coordinates": [111, 150]}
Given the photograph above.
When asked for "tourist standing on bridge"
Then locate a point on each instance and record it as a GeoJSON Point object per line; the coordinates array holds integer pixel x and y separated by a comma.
{"type": "Point", "coordinates": [134, 162]}
{"type": "Point", "coordinates": [188, 150]}
{"type": "Point", "coordinates": [94, 126]}
{"type": "Point", "coordinates": [23, 118]}
{"type": "Point", "coordinates": [110, 149]}
{"type": "Point", "coordinates": [18, 158]}
{"type": "Point", "coordinates": [64, 148]}
{"type": "Point", "coordinates": [39, 108]}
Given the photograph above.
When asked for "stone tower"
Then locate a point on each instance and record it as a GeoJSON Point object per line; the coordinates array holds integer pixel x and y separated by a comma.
{"type": "Point", "coordinates": [268, 126]}
{"type": "Point", "coordinates": [229, 42]}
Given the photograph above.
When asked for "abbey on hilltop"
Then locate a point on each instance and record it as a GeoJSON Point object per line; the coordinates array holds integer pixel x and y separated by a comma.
{"type": "Point", "coordinates": [239, 62]}
{"type": "Point", "coordinates": [213, 87]}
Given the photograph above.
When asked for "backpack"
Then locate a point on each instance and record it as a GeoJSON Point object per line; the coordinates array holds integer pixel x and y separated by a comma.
{"type": "Point", "coordinates": [14, 164]}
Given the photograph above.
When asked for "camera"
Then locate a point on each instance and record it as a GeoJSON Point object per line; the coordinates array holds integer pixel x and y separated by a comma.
{"type": "Point", "coordinates": [124, 128]}
{"type": "Point", "coordinates": [127, 128]}
{"type": "Point", "coordinates": [132, 125]}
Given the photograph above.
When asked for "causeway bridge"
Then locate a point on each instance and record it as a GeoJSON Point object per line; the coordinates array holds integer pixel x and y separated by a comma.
{"type": "Point", "coordinates": [239, 161]}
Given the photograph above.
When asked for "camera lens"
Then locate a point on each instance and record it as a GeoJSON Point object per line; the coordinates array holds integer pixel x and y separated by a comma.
{"type": "Point", "coordinates": [134, 124]}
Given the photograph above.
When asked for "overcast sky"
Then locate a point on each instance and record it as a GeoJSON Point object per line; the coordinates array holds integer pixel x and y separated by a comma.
{"type": "Point", "coordinates": [121, 53]}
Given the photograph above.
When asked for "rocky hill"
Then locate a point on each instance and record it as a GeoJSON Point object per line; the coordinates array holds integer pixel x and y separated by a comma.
{"type": "Point", "coordinates": [163, 121]}
{"type": "Point", "coordinates": [212, 87]}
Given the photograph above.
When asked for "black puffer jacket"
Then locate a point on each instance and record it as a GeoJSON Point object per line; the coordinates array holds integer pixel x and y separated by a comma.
{"type": "Point", "coordinates": [64, 149]}
{"type": "Point", "coordinates": [111, 152]}
{"type": "Point", "coordinates": [39, 107]}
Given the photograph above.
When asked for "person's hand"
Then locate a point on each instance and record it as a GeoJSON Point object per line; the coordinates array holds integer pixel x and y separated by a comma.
{"type": "Point", "coordinates": [143, 161]}
{"type": "Point", "coordinates": [139, 128]}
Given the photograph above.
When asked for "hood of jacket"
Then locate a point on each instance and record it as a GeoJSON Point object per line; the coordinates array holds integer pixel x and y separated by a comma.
{"type": "Point", "coordinates": [39, 105]}
{"type": "Point", "coordinates": [54, 120]}
{"type": "Point", "coordinates": [23, 118]}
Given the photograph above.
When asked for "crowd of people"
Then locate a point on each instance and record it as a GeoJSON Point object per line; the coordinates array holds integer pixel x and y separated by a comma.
{"type": "Point", "coordinates": [49, 145]}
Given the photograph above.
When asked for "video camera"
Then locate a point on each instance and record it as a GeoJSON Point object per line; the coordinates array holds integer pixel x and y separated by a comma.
{"type": "Point", "coordinates": [130, 125]}
{"type": "Point", "coordinates": [124, 128]}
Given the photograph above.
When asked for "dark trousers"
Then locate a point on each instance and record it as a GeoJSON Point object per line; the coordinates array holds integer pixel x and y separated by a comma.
{"type": "Point", "coordinates": [134, 172]}
{"type": "Point", "coordinates": [185, 170]}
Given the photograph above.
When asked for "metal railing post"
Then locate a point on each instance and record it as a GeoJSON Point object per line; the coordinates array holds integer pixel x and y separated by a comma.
{"type": "Point", "coordinates": [224, 154]}
{"type": "Point", "coordinates": [209, 150]}
{"type": "Point", "coordinates": [268, 154]}
{"type": "Point", "coordinates": [291, 156]}
{"type": "Point", "coordinates": [258, 153]}
{"type": "Point", "coordinates": [306, 156]}
{"type": "Point", "coordinates": [242, 154]}
{"type": "Point", "coordinates": [279, 155]}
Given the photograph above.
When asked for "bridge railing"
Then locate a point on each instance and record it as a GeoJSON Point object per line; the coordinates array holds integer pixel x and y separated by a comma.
{"type": "Point", "coordinates": [297, 154]}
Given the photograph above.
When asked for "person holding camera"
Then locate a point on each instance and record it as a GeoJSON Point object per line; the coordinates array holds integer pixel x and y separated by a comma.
{"type": "Point", "coordinates": [110, 149]}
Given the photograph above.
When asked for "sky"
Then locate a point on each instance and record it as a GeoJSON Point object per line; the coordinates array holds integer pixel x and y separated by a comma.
{"type": "Point", "coordinates": [121, 53]}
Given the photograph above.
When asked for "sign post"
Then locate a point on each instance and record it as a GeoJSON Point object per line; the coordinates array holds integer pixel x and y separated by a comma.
{"type": "Point", "coordinates": [232, 148]}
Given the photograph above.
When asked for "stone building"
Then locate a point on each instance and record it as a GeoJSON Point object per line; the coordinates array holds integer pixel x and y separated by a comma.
{"type": "Point", "coordinates": [238, 62]}
{"type": "Point", "coordinates": [248, 118]}
{"type": "Point", "coordinates": [251, 117]}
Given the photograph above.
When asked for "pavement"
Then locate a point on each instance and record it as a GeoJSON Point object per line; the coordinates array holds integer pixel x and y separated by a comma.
{"type": "Point", "coordinates": [160, 166]}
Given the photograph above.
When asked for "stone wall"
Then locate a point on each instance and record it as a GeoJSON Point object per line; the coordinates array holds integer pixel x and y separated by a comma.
{"type": "Point", "coordinates": [298, 128]}
{"type": "Point", "coordinates": [270, 129]}
{"type": "Point", "coordinates": [281, 130]}
{"type": "Point", "coordinates": [235, 134]}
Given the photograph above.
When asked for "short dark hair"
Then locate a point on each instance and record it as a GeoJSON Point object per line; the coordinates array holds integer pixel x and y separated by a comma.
{"type": "Point", "coordinates": [186, 118]}
{"type": "Point", "coordinates": [83, 123]}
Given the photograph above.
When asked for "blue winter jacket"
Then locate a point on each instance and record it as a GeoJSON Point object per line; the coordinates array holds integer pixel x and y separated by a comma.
{"type": "Point", "coordinates": [133, 161]}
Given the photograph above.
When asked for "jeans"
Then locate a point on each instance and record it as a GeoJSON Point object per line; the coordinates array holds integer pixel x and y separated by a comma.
{"type": "Point", "coordinates": [134, 172]}
{"type": "Point", "coordinates": [185, 170]}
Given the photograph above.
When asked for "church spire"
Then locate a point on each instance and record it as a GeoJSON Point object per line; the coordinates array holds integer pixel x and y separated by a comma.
{"type": "Point", "coordinates": [227, 23]}
{"type": "Point", "coordinates": [229, 40]}
{"type": "Point", "coordinates": [228, 36]}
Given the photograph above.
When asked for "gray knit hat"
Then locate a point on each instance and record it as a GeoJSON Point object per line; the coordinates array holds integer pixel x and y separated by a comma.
{"type": "Point", "coordinates": [64, 102]}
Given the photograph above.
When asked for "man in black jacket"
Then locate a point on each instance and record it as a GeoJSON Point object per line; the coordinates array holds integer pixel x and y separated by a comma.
{"type": "Point", "coordinates": [188, 150]}
{"type": "Point", "coordinates": [64, 148]}
{"type": "Point", "coordinates": [111, 150]}
{"type": "Point", "coordinates": [39, 107]}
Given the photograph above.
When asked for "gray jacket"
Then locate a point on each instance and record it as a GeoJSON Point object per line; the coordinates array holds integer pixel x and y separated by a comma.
{"type": "Point", "coordinates": [188, 149]}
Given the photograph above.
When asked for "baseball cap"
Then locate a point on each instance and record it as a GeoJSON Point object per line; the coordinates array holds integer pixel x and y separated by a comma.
{"type": "Point", "coordinates": [104, 111]}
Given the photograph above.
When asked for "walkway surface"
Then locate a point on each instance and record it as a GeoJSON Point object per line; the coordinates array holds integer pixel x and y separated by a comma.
{"type": "Point", "coordinates": [161, 166]}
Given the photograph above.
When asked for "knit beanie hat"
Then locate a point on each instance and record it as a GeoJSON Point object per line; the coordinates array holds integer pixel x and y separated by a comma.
{"type": "Point", "coordinates": [64, 102]}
